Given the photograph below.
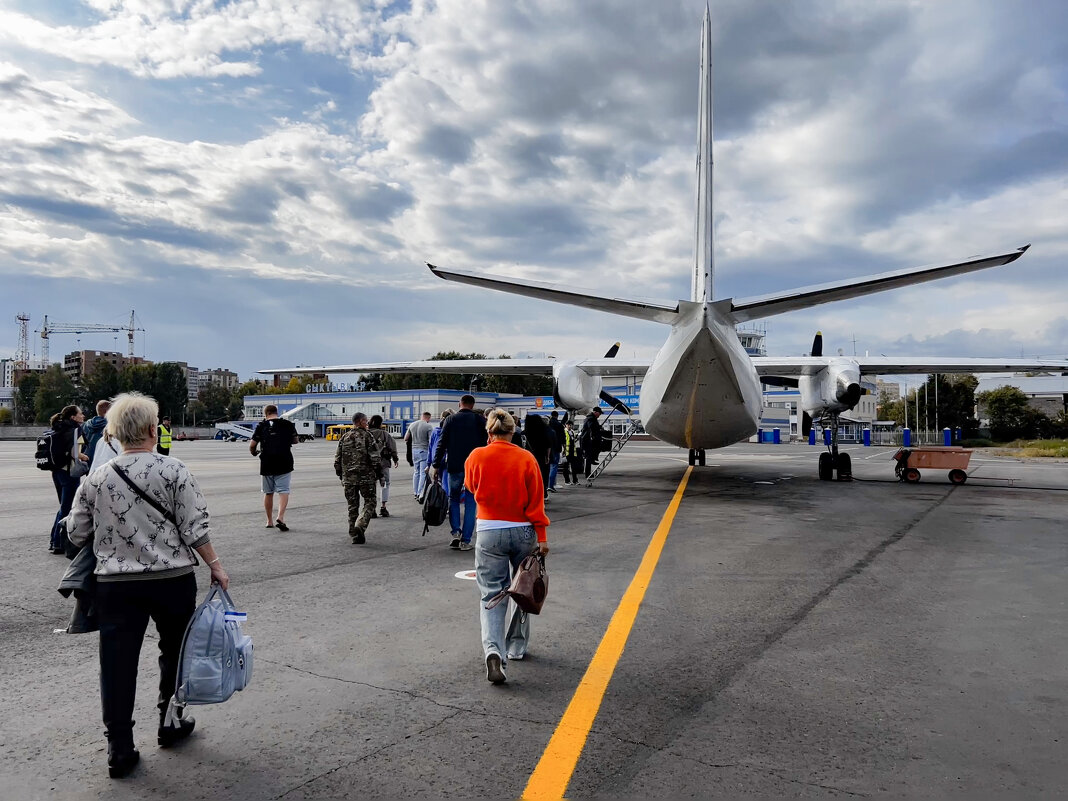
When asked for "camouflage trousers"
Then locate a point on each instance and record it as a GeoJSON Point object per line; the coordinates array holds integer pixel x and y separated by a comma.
{"type": "Point", "coordinates": [353, 490]}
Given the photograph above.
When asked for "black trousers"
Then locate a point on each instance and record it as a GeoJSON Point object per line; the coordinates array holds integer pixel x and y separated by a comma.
{"type": "Point", "coordinates": [575, 465]}
{"type": "Point", "coordinates": [65, 489]}
{"type": "Point", "coordinates": [124, 608]}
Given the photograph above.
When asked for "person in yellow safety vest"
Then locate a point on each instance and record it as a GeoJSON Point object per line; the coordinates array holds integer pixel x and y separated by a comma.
{"type": "Point", "coordinates": [163, 440]}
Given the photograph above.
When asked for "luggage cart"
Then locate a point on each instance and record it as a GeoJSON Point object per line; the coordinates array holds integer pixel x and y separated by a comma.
{"type": "Point", "coordinates": [910, 460]}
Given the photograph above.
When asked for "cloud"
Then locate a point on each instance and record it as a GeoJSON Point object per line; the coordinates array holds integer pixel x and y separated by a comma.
{"type": "Point", "coordinates": [315, 154]}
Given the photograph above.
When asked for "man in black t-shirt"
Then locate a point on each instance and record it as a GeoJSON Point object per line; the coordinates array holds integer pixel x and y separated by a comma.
{"type": "Point", "coordinates": [275, 437]}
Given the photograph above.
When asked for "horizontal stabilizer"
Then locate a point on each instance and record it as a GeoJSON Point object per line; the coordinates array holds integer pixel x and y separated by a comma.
{"type": "Point", "coordinates": [600, 367]}
{"type": "Point", "coordinates": [643, 310]}
{"type": "Point", "coordinates": [804, 297]}
{"type": "Point", "coordinates": [890, 365]}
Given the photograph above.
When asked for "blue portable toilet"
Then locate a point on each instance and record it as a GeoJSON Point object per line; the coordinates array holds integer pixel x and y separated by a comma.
{"type": "Point", "coordinates": [947, 437]}
{"type": "Point", "coordinates": [906, 438]}
{"type": "Point", "coordinates": [812, 436]}
{"type": "Point", "coordinates": [867, 437]}
{"type": "Point", "coordinates": [776, 437]}
{"type": "Point", "coordinates": [826, 436]}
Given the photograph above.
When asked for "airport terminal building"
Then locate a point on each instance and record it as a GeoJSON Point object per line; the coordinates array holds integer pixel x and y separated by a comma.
{"type": "Point", "coordinates": [328, 404]}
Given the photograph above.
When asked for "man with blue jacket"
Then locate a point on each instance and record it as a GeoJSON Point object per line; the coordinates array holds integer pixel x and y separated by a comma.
{"type": "Point", "coordinates": [461, 434]}
{"type": "Point", "coordinates": [93, 430]}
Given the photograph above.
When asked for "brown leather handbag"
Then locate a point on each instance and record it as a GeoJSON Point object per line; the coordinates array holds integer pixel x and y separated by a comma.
{"type": "Point", "coordinates": [530, 585]}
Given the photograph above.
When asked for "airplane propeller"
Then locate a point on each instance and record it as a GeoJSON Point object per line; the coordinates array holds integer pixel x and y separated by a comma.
{"type": "Point", "coordinates": [817, 344]}
{"type": "Point", "coordinates": [612, 400]}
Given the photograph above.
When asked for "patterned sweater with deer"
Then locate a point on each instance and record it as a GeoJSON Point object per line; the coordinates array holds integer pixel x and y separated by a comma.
{"type": "Point", "coordinates": [131, 539]}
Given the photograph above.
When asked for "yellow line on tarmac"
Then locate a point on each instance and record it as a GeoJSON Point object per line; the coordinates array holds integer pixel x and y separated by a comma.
{"type": "Point", "coordinates": [553, 772]}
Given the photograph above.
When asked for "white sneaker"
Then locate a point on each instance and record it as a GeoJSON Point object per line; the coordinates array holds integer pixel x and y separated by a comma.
{"type": "Point", "coordinates": [494, 670]}
{"type": "Point", "coordinates": [516, 657]}
{"type": "Point", "coordinates": [466, 546]}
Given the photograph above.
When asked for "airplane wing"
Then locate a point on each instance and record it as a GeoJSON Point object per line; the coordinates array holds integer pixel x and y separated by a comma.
{"type": "Point", "coordinates": [599, 367]}
{"type": "Point", "coordinates": [890, 365]}
{"type": "Point", "coordinates": [656, 311]}
{"type": "Point", "coordinates": [804, 297]}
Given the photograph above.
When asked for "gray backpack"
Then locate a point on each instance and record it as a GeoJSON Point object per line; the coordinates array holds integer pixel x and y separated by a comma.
{"type": "Point", "coordinates": [216, 659]}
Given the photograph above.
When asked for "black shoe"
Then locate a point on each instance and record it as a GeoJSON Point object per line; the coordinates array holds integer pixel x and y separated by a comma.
{"type": "Point", "coordinates": [122, 756]}
{"type": "Point", "coordinates": [121, 763]}
{"type": "Point", "coordinates": [167, 736]}
{"type": "Point", "coordinates": [455, 544]}
{"type": "Point", "coordinates": [383, 512]}
{"type": "Point", "coordinates": [358, 538]}
{"type": "Point", "coordinates": [281, 526]}
{"type": "Point", "coordinates": [494, 671]}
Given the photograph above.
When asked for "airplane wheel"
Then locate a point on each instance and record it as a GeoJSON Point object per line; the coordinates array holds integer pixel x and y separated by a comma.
{"type": "Point", "coordinates": [958, 476]}
{"type": "Point", "coordinates": [826, 467]}
{"type": "Point", "coordinates": [912, 475]}
{"type": "Point", "coordinates": [691, 457]}
{"type": "Point", "coordinates": [701, 456]}
{"type": "Point", "coordinates": [845, 467]}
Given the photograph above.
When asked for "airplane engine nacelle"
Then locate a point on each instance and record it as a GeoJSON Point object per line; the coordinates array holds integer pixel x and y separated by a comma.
{"type": "Point", "coordinates": [835, 388]}
{"type": "Point", "coordinates": [574, 389]}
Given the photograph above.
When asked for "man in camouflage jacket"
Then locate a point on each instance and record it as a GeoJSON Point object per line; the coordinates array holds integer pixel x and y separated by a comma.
{"type": "Point", "coordinates": [358, 465]}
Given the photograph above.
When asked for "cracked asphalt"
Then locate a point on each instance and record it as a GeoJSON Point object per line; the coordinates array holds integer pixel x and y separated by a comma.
{"type": "Point", "coordinates": [798, 638]}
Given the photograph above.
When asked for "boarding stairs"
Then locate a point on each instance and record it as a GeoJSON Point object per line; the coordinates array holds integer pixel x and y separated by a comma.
{"type": "Point", "coordinates": [237, 429]}
{"type": "Point", "coordinates": [617, 446]}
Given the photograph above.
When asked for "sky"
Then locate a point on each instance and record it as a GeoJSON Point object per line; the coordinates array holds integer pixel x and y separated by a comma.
{"type": "Point", "coordinates": [263, 180]}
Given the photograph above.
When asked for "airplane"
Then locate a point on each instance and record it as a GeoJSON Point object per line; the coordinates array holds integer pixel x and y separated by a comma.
{"type": "Point", "coordinates": [702, 390]}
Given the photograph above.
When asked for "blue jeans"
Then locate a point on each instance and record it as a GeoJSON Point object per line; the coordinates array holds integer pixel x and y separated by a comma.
{"type": "Point", "coordinates": [65, 489]}
{"type": "Point", "coordinates": [554, 465]}
{"type": "Point", "coordinates": [456, 494]}
{"type": "Point", "coordinates": [419, 456]}
{"type": "Point", "coordinates": [498, 553]}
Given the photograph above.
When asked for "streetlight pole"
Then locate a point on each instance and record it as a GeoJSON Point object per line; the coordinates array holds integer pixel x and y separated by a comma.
{"type": "Point", "coordinates": [938, 431]}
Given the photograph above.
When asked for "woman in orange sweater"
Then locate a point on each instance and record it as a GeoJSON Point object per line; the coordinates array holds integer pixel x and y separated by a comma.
{"type": "Point", "coordinates": [506, 482]}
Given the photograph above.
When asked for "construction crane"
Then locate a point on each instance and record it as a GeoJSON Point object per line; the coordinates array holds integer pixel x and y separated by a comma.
{"type": "Point", "coordinates": [47, 329]}
{"type": "Point", "coordinates": [22, 353]}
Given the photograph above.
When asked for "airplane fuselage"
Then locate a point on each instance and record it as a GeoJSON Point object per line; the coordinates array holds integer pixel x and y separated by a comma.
{"type": "Point", "coordinates": [701, 390]}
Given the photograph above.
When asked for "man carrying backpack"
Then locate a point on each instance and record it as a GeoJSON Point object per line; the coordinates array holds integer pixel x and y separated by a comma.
{"type": "Point", "coordinates": [275, 437]}
{"type": "Point", "coordinates": [460, 434]}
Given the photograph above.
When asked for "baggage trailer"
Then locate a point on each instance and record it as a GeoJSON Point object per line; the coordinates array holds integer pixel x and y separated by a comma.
{"type": "Point", "coordinates": [910, 460]}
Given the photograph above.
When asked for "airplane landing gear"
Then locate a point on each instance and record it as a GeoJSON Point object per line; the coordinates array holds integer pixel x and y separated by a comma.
{"type": "Point", "coordinates": [833, 460]}
{"type": "Point", "coordinates": [696, 456]}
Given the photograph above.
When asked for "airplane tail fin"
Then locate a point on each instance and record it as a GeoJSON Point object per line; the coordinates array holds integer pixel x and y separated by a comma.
{"type": "Point", "coordinates": [704, 259]}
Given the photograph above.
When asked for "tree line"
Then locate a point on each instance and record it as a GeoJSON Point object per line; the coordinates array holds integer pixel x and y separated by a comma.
{"type": "Point", "coordinates": [949, 401]}
{"type": "Point", "coordinates": [40, 395]}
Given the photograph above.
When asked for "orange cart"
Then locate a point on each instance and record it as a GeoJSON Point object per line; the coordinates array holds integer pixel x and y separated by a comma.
{"type": "Point", "coordinates": [910, 460]}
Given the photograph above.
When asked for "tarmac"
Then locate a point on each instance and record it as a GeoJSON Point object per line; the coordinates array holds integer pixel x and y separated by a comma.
{"type": "Point", "coordinates": [797, 638]}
